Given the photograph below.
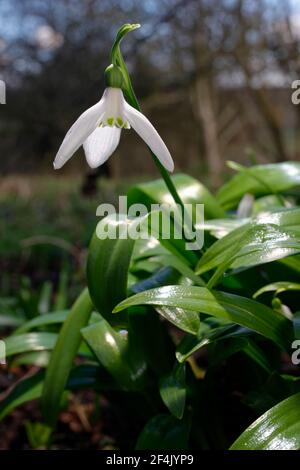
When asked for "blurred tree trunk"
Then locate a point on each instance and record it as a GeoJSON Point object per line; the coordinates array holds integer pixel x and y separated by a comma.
{"type": "Point", "coordinates": [268, 111]}
{"type": "Point", "coordinates": [204, 94]}
{"type": "Point", "coordinates": [205, 110]}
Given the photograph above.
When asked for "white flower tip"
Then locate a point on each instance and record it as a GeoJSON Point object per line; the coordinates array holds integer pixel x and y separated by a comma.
{"type": "Point", "coordinates": [170, 166]}
{"type": "Point", "coordinates": [93, 165]}
{"type": "Point", "coordinates": [56, 165]}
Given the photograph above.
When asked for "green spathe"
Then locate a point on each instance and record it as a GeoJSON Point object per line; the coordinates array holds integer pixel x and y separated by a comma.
{"type": "Point", "coordinates": [113, 76]}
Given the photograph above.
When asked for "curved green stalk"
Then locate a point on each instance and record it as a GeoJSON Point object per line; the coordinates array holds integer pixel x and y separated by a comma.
{"type": "Point", "coordinates": [117, 59]}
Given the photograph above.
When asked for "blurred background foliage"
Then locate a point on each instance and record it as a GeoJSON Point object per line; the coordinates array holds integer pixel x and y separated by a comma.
{"type": "Point", "coordinates": [213, 75]}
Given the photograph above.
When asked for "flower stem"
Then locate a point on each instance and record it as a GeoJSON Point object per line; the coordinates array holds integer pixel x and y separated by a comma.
{"type": "Point", "coordinates": [117, 59]}
{"type": "Point", "coordinates": [132, 99]}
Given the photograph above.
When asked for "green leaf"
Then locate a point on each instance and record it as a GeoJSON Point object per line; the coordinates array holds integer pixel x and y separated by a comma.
{"type": "Point", "coordinates": [36, 358]}
{"type": "Point", "coordinates": [31, 388]}
{"type": "Point", "coordinates": [29, 342]}
{"type": "Point", "coordinates": [62, 356]}
{"type": "Point", "coordinates": [43, 320]}
{"type": "Point", "coordinates": [45, 298]}
{"type": "Point", "coordinates": [182, 268]}
{"type": "Point", "coordinates": [109, 260]}
{"type": "Point", "coordinates": [277, 287]}
{"type": "Point", "coordinates": [241, 310]}
{"type": "Point", "coordinates": [107, 268]}
{"type": "Point", "coordinates": [186, 320]}
{"type": "Point", "coordinates": [296, 323]}
{"type": "Point", "coordinates": [277, 429]}
{"type": "Point", "coordinates": [279, 176]}
{"type": "Point", "coordinates": [190, 190]}
{"type": "Point", "coordinates": [24, 391]}
{"type": "Point", "coordinates": [161, 277]}
{"type": "Point", "coordinates": [221, 227]}
{"type": "Point", "coordinates": [38, 434]}
{"type": "Point", "coordinates": [165, 432]}
{"type": "Point", "coordinates": [207, 334]}
{"type": "Point", "coordinates": [248, 246]}
{"type": "Point", "coordinates": [49, 319]}
{"type": "Point", "coordinates": [10, 321]}
{"type": "Point", "coordinates": [113, 352]}
{"type": "Point", "coordinates": [150, 339]}
{"type": "Point", "coordinates": [173, 390]}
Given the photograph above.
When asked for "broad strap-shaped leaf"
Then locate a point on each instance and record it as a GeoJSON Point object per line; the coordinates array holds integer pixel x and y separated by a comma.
{"type": "Point", "coordinates": [31, 388]}
{"type": "Point", "coordinates": [286, 219]}
{"type": "Point", "coordinates": [172, 390]}
{"type": "Point", "coordinates": [182, 268]}
{"type": "Point", "coordinates": [206, 335]}
{"type": "Point", "coordinates": [17, 344]}
{"type": "Point", "coordinates": [148, 338]}
{"type": "Point", "coordinates": [112, 349]}
{"type": "Point", "coordinates": [186, 320]}
{"type": "Point", "coordinates": [108, 265]}
{"type": "Point", "coordinates": [62, 356]}
{"type": "Point", "coordinates": [25, 390]}
{"type": "Point", "coordinates": [10, 321]}
{"type": "Point", "coordinates": [248, 246]}
{"type": "Point", "coordinates": [277, 429]}
{"type": "Point", "coordinates": [48, 319]}
{"type": "Point", "coordinates": [277, 288]}
{"type": "Point", "coordinates": [34, 358]}
{"type": "Point", "coordinates": [42, 320]}
{"type": "Point", "coordinates": [221, 227]}
{"type": "Point", "coordinates": [258, 179]}
{"type": "Point", "coordinates": [189, 189]}
{"type": "Point", "coordinates": [241, 310]}
{"type": "Point", "coordinates": [164, 432]}
{"type": "Point", "coordinates": [109, 260]}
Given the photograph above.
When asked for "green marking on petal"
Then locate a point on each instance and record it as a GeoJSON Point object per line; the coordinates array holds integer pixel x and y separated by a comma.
{"type": "Point", "coordinates": [110, 121]}
{"type": "Point", "coordinates": [120, 122]}
{"type": "Point", "coordinates": [126, 125]}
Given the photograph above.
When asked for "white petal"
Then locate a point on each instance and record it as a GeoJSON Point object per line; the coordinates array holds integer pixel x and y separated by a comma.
{"type": "Point", "coordinates": [101, 144]}
{"type": "Point", "coordinates": [149, 134]}
{"type": "Point", "coordinates": [81, 129]}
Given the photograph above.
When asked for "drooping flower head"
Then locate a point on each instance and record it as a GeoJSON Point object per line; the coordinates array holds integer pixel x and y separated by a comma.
{"type": "Point", "coordinates": [98, 129]}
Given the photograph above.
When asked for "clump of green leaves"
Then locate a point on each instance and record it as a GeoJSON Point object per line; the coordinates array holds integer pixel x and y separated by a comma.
{"type": "Point", "coordinates": [199, 343]}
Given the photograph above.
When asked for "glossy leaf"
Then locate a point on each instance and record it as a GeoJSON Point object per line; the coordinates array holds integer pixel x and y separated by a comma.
{"type": "Point", "coordinates": [173, 390]}
{"type": "Point", "coordinates": [277, 429]}
{"type": "Point", "coordinates": [240, 310]}
{"type": "Point", "coordinates": [43, 320]}
{"type": "Point", "coordinates": [24, 391]}
{"type": "Point", "coordinates": [258, 180]}
{"type": "Point", "coordinates": [29, 342]}
{"type": "Point", "coordinates": [249, 245]}
{"type": "Point", "coordinates": [112, 350]}
{"type": "Point", "coordinates": [62, 356]}
{"type": "Point", "coordinates": [207, 334]}
{"type": "Point", "coordinates": [35, 358]}
{"type": "Point", "coordinates": [189, 189]}
{"type": "Point", "coordinates": [186, 320]}
{"type": "Point", "coordinates": [182, 268]}
{"type": "Point", "coordinates": [107, 267]}
{"type": "Point", "coordinates": [49, 319]}
{"type": "Point", "coordinates": [164, 432]}
{"type": "Point", "coordinates": [31, 388]}
{"type": "Point", "coordinates": [277, 288]}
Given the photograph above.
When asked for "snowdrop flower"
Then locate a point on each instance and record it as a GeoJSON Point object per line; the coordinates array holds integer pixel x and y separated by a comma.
{"type": "Point", "coordinates": [98, 129]}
